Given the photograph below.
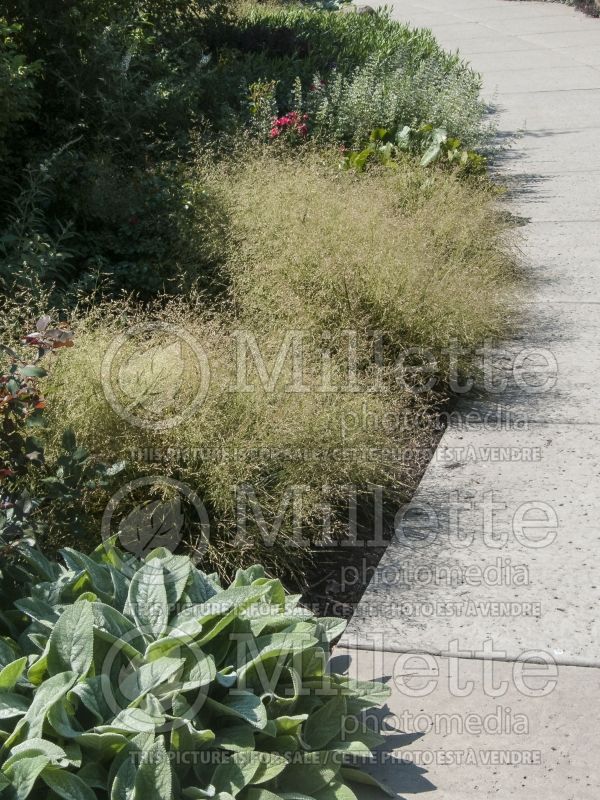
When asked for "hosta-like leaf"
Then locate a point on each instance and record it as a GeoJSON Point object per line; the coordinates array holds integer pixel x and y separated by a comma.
{"type": "Point", "coordinates": [243, 705]}
{"type": "Point", "coordinates": [200, 588]}
{"type": "Point", "coordinates": [97, 696]}
{"type": "Point", "coordinates": [23, 774]}
{"type": "Point", "coordinates": [38, 610]}
{"type": "Point", "coordinates": [325, 724]}
{"type": "Point", "coordinates": [360, 777]}
{"type": "Point", "coordinates": [37, 747]}
{"type": "Point", "coordinates": [270, 765]}
{"type": "Point", "coordinates": [186, 738]}
{"type": "Point", "coordinates": [45, 569]}
{"type": "Point", "coordinates": [236, 738]}
{"type": "Point", "coordinates": [231, 778]}
{"type": "Point", "coordinates": [177, 572]}
{"type": "Point", "coordinates": [112, 626]}
{"type": "Point", "coordinates": [8, 651]}
{"type": "Point", "coordinates": [200, 670]}
{"type": "Point", "coordinates": [174, 641]}
{"type": "Point", "coordinates": [195, 793]}
{"type": "Point", "coordinates": [72, 640]}
{"type": "Point", "coordinates": [260, 794]}
{"type": "Point", "coordinates": [309, 778]}
{"type": "Point", "coordinates": [291, 724]}
{"type": "Point", "coordinates": [141, 681]}
{"type": "Point", "coordinates": [39, 667]}
{"type": "Point", "coordinates": [147, 599]}
{"type": "Point", "coordinates": [123, 785]}
{"type": "Point", "coordinates": [105, 745]}
{"type": "Point", "coordinates": [67, 785]}
{"type": "Point", "coordinates": [350, 748]}
{"type": "Point", "coordinates": [243, 689]}
{"type": "Point", "coordinates": [332, 627]}
{"type": "Point", "coordinates": [11, 673]}
{"type": "Point", "coordinates": [94, 775]}
{"type": "Point", "coordinates": [50, 692]}
{"type": "Point", "coordinates": [120, 587]}
{"type": "Point", "coordinates": [336, 790]}
{"type": "Point", "coordinates": [130, 720]}
{"type": "Point", "coordinates": [154, 779]}
{"type": "Point", "coordinates": [74, 754]}
{"type": "Point", "coordinates": [12, 705]}
{"type": "Point", "coordinates": [245, 577]}
{"type": "Point", "coordinates": [99, 573]}
{"type": "Point", "coordinates": [61, 718]}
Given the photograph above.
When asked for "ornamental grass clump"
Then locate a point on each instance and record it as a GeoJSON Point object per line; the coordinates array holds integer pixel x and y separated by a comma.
{"type": "Point", "coordinates": [419, 254]}
{"type": "Point", "coordinates": [147, 680]}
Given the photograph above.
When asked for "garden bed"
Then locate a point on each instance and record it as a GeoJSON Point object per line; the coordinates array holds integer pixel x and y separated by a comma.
{"type": "Point", "coordinates": [246, 252]}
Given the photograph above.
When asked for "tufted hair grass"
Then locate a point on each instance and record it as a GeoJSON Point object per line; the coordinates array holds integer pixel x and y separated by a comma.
{"type": "Point", "coordinates": [418, 255]}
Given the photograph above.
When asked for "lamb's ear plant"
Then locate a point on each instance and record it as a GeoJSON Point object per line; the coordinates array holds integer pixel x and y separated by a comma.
{"type": "Point", "coordinates": [124, 679]}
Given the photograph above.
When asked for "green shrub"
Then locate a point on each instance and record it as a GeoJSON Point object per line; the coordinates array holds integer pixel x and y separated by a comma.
{"type": "Point", "coordinates": [146, 230]}
{"type": "Point", "coordinates": [100, 197]}
{"type": "Point", "coordinates": [98, 193]}
{"type": "Point", "coordinates": [33, 488]}
{"type": "Point", "coordinates": [380, 95]}
{"type": "Point", "coordinates": [122, 678]}
{"type": "Point", "coordinates": [18, 99]}
{"type": "Point", "coordinates": [359, 72]}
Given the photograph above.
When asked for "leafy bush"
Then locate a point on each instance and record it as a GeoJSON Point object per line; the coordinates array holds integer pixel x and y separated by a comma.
{"type": "Point", "coordinates": [148, 679]}
{"type": "Point", "coordinates": [18, 100]}
{"type": "Point", "coordinates": [380, 95]}
{"type": "Point", "coordinates": [357, 72]}
{"type": "Point", "coordinates": [103, 200]}
{"type": "Point", "coordinates": [432, 144]}
{"type": "Point", "coordinates": [147, 230]}
{"type": "Point", "coordinates": [36, 491]}
{"type": "Point", "coordinates": [99, 197]}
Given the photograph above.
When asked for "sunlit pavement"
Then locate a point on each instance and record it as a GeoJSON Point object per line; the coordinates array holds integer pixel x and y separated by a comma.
{"type": "Point", "coordinates": [484, 611]}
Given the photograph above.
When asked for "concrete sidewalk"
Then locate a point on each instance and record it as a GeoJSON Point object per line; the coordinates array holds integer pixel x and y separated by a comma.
{"type": "Point", "coordinates": [484, 612]}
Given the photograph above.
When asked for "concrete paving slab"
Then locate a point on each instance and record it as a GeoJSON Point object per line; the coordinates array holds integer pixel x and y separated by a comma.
{"type": "Point", "coordinates": [522, 59]}
{"type": "Point", "coordinates": [420, 18]}
{"type": "Point", "coordinates": [538, 24]}
{"type": "Point", "coordinates": [556, 197]}
{"type": "Point", "coordinates": [542, 79]}
{"type": "Point", "coordinates": [569, 270]}
{"type": "Point", "coordinates": [549, 371]}
{"type": "Point", "coordinates": [462, 31]}
{"type": "Point", "coordinates": [585, 55]}
{"type": "Point", "coordinates": [449, 727]}
{"type": "Point", "coordinates": [459, 5]}
{"type": "Point", "coordinates": [480, 553]}
{"type": "Point", "coordinates": [478, 7]}
{"type": "Point", "coordinates": [498, 12]}
{"type": "Point", "coordinates": [552, 110]}
{"type": "Point", "coordinates": [535, 152]}
{"type": "Point", "coordinates": [588, 37]}
{"type": "Point", "coordinates": [496, 556]}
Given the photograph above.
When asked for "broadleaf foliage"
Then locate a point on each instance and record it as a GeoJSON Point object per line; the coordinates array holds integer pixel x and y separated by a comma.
{"type": "Point", "coordinates": [164, 685]}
